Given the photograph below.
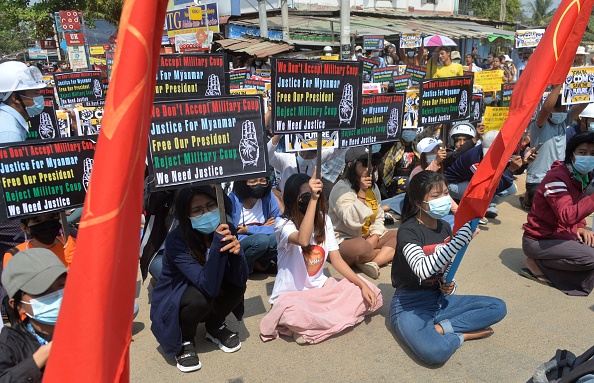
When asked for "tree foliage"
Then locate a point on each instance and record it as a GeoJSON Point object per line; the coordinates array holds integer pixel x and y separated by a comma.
{"type": "Point", "coordinates": [490, 9]}
{"type": "Point", "coordinates": [542, 12]}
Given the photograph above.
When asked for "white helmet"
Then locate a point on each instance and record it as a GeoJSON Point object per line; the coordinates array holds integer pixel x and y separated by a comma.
{"type": "Point", "coordinates": [327, 48]}
{"type": "Point", "coordinates": [463, 128]}
{"type": "Point", "coordinates": [15, 76]}
{"type": "Point", "coordinates": [588, 112]}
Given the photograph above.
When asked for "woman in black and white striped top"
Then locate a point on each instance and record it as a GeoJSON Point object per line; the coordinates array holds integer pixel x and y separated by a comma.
{"type": "Point", "coordinates": [424, 313]}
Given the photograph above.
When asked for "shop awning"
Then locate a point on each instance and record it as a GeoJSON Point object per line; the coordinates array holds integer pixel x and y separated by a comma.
{"type": "Point", "coordinates": [254, 46]}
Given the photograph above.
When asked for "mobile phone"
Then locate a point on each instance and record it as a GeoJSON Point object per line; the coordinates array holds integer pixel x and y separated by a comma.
{"type": "Point", "coordinates": [538, 147]}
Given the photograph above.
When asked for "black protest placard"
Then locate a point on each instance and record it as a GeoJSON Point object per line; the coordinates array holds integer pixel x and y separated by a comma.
{"type": "Point", "coordinates": [109, 58]}
{"type": "Point", "coordinates": [78, 87]}
{"type": "Point", "coordinates": [417, 73]}
{"type": "Point", "coordinates": [445, 100]}
{"type": "Point", "coordinates": [259, 85]}
{"type": "Point", "coordinates": [373, 43]}
{"type": "Point", "coordinates": [368, 66]}
{"type": "Point", "coordinates": [476, 108]}
{"type": "Point", "coordinates": [401, 81]}
{"type": "Point", "coordinates": [42, 177]}
{"type": "Point", "coordinates": [384, 75]}
{"type": "Point", "coordinates": [191, 75]}
{"type": "Point", "coordinates": [44, 126]}
{"type": "Point", "coordinates": [207, 141]}
{"type": "Point", "coordinates": [237, 77]}
{"type": "Point", "coordinates": [506, 93]}
{"type": "Point", "coordinates": [381, 122]}
{"type": "Point", "coordinates": [315, 95]}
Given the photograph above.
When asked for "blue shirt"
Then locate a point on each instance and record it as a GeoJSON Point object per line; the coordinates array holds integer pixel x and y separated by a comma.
{"type": "Point", "coordinates": [13, 126]}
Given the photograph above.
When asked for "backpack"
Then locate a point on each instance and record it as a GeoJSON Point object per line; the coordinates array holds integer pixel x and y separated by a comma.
{"type": "Point", "coordinates": [565, 367]}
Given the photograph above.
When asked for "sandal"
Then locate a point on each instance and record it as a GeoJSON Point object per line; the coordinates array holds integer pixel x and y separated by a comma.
{"type": "Point", "coordinates": [540, 278]}
{"type": "Point", "coordinates": [371, 269]}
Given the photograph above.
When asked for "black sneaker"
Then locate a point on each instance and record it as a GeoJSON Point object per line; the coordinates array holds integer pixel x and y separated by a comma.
{"type": "Point", "coordinates": [227, 340]}
{"type": "Point", "coordinates": [187, 360]}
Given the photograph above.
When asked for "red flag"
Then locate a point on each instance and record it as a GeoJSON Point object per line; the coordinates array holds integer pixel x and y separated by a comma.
{"type": "Point", "coordinates": [549, 64]}
{"type": "Point", "coordinates": [92, 337]}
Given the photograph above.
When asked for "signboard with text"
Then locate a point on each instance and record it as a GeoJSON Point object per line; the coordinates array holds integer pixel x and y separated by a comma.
{"type": "Point", "coordinates": [78, 87]}
{"type": "Point", "coordinates": [373, 43]}
{"type": "Point", "coordinates": [528, 38]}
{"type": "Point", "coordinates": [578, 87]}
{"type": "Point", "coordinates": [445, 100]}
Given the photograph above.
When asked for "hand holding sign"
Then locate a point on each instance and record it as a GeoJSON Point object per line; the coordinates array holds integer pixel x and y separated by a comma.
{"type": "Point", "coordinates": [248, 145]}
{"type": "Point", "coordinates": [214, 86]}
{"type": "Point", "coordinates": [345, 108]}
{"type": "Point", "coordinates": [392, 127]}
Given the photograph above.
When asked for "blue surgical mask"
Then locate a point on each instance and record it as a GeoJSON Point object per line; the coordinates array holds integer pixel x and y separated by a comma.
{"type": "Point", "coordinates": [440, 207]}
{"type": "Point", "coordinates": [46, 308]}
{"type": "Point", "coordinates": [488, 100]}
{"type": "Point", "coordinates": [584, 164]}
{"type": "Point", "coordinates": [410, 54]}
{"type": "Point", "coordinates": [591, 127]}
{"type": "Point", "coordinates": [36, 108]}
{"type": "Point", "coordinates": [303, 163]}
{"type": "Point", "coordinates": [409, 135]}
{"type": "Point", "coordinates": [557, 118]}
{"type": "Point", "coordinates": [375, 54]}
{"type": "Point", "coordinates": [206, 223]}
{"type": "Point", "coordinates": [258, 63]}
{"type": "Point", "coordinates": [431, 158]}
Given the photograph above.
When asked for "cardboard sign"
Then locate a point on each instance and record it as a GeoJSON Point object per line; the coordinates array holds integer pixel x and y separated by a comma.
{"type": "Point", "coordinates": [303, 141]}
{"type": "Point", "coordinates": [373, 43]}
{"type": "Point", "coordinates": [401, 82]}
{"type": "Point", "coordinates": [38, 178]}
{"type": "Point", "coordinates": [528, 38]}
{"type": "Point", "coordinates": [45, 126]}
{"type": "Point", "coordinates": [410, 40]}
{"type": "Point", "coordinates": [383, 75]}
{"type": "Point", "coordinates": [191, 75]}
{"type": "Point", "coordinates": [445, 100]}
{"type": "Point", "coordinates": [489, 80]}
{"type": "Point", "coordinates": [411, 109]}
{"type": "Point", "coordinates": [417, 73]}
{"type": "Point", "coordinates": [494, 117]}
{"type": "Point", "coordinates": [78, 87]}
{"type": "Point", "coordinates": [578, 87]}
{"type": "Point", "coordinates": [315, 95]}
{"type": "Point", "coordinates": [381, 122]}
{"type": "Point", "coordinates": [88, 120]}
{"type": "Point", "coordinates": [207, 141]}
{"type": "Point", "coordinates": [506, 93]}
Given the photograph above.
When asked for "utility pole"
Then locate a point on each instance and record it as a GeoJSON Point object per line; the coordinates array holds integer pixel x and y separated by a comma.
{"type": "Point", "coordinates": [285, 19]}
{"type": "Point", "coordinates": [345, 29]}
{"type": "Point", "coordinates": [263, 20]}
{"type": "Point", "coordinates": [502, 11]}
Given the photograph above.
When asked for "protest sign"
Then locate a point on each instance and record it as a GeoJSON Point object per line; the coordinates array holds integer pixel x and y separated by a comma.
{"type": "Point", "coordinates": [373, 43]}
{"type": "Point", "coordinates": [528, 38]}
{"type": "Point", "coordinates": [48, 80]}
{"type": "Point", "coordinates": [401, 82]}
{"type": "Point", "coordinates": [401, 69]}
{"type": "Point", "coordinates": [259, 85]}
{"type": "Point", "coordinates": [368, 66]}
{"type": "Point", "coordinates": [303, 141]}
{"type": "Point", "coordinates": [206, 141]}
{"type": "Point", "coordinates": [253, 91]}
{"type": "Point", "coordinates": [383, 75]}
{"type": "Point", "coordinates": [191, 75]}
{"type": "Point", "coordinates": [238, 76]}
{"type": "Point", "coordinates": [410, 40]}
{"type": "Point", "coordinates": [381, 122]}
{"type": "Point", "coordinates": [489, 80]}
{"type": "Point", "coordinates": [88, 120]}
{"type": "Point", "coordinates": [494, 117]}
{"type": "Point", "coordinates": [411, 109]}
{"type": "Point", "coordinates": [506, 93]}
{"type": "Point", "coordinates": [315, 95]}
{"type": "Point", "coordinates": [42, 177]}
{"type": "Point", "coordinates": [476, 108]}
{"type": "Point", "coordinates": [78, 87]}
{"type": "Point", "coordinates": [330, 58]}
{"type": "Point", "coordinates": [445, 100]}
{"type": "Point", "coordinates": [109, 57]}
{"type": "Point", "coordinates": [263, 73]}
{"type": "Point", "coordinates": [417, 73]}
{"type": "Point", "coordinates": [578, 87]}
{"type": "Point", "coordinates": [44, 126]}
{"type": "Point", "coordinates": [63, 120]}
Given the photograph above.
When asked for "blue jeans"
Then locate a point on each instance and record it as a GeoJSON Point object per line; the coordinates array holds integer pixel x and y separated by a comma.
{"type": "Point", "coordinates": [457, 190]}
{"type": "Point", "coordinates": [395, 203]}
{"type": "Point", "coordinates": [259, 248]}
{"type": "Point", "coordinates": [156, 265]}
{"type": "Point", "coordinates": [413, 314]}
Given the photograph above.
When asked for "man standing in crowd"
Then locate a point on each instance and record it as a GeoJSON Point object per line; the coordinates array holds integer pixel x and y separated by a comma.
{"type": "Point", "coordinates": [448, 68]}
{"type": "Point", "coordinates": [471, 64]}
{"type": "Point", "coordinates": [580, 57]}
{"type": "Point", "coordinates": [521, 62]}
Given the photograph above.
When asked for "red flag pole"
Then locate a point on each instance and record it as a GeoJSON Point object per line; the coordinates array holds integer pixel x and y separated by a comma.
{"type": "Point", "coordinates": [92, 337]}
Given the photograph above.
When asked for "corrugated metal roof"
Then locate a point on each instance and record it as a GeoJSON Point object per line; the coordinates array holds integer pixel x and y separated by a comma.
{"type": "Point", "coordinates": [255, 46]}
{"type": "Point", "coordinates": [362, 24]}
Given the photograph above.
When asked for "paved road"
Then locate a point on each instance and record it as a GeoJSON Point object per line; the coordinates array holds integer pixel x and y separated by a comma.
{"type": "Point", "coordinates": [540, 320]}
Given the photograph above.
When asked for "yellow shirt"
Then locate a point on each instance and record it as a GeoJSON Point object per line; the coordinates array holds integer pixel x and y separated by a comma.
{"type": "Point", "coordinates": [452, 70]}
{"type": "Point", "coordinates": [371, 201]}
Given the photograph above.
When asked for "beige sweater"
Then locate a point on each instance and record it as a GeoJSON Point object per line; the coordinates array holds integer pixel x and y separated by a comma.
{"type": "Point", "coordinates": [349, 213]}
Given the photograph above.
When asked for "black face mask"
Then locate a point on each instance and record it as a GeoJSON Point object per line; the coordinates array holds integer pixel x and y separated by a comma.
{"type": "Point", "coordinates": [257, 191]}
{"type": "Point", "coordinates": [303, 202]}
{"type": "Point", "coordinates": [46, 232]}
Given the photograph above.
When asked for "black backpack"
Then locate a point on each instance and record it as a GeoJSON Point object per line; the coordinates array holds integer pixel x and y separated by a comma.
{"type": "Point", "coordinates": [565, 367]}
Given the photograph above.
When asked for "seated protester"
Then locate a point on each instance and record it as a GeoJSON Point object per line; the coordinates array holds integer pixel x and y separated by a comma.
{"type": "Point", "coordinates": [585, 123]}
{"type": "Point", "coordinates": [548, 133]}
{"type": "Point", "coordinates": [558, 247]}
{"type": "Point", "coordinates": [432, 156]}
{"type": "Point", "coordinates": [202, 280]}
{"type": "Point", "coordinates": [462, 170]}
{"type": "Point", "coordinates": [355, 210]}
{"type": "Point", "coordinates": [43, 231]}
{"type": "Point", "coordinates": [299, 162]}
{"type": "Point", "coordinates": [254, 212]}
{"type": "Point", "coordinates": [34, 281]}
{"type": "Point", "coordinates": [307, 304]}
{"type": "Point", "coordinates": [463, 137]}
{"type": "Point", "coordinates": [424, 312]}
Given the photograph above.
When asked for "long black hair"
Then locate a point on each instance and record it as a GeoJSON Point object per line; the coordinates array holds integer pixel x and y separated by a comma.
{"type": "Point", "coordinates": [418, 187]}
{"type": "Point", "coordinates": [242, 190]}
{"type": "Point", "coordinates": [292, 212]}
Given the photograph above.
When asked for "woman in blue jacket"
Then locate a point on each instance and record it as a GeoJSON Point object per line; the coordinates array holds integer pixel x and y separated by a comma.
{"type": "Point", "coordinates": [254, 212]}
{"type": "Point", "coordinates": [203, 279]}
